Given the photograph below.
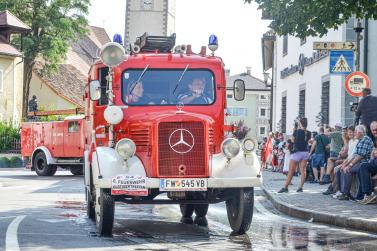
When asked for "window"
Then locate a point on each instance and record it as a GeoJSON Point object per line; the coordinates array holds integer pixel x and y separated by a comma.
{"type": "Point", "coordinates": [168, 87]}
{"type": "Point", "coordinates": [73, 126]}
{"type": "Point", "coordinates": [285, 45]}
{"type": "Point", "coordinates": [102, 75]}
{"type": "Point", "coordinates": [262, 97]}
{"type": "Point", "coordinates": [262, 112]}
{"type": "Point", "coordinates": [302, 41]}
{"type": "Point", "coordinates": [325, 102]}
{"type": "Point", "coordinates": [301, 104]}
{"type": "Point", "coordinates": [262, 130]}
{"type": "Point", "coordinates": [229, 96]}
{"type": "Point", "coordinates": [237, 111]}
{"type": "Point", "coordinates": [284, 114]}
{"type": "Point", "coordinates": [1, 80]}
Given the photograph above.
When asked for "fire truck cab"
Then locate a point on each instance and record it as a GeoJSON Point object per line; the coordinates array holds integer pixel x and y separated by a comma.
{"type": "Point", "coordinates": [157, 134]}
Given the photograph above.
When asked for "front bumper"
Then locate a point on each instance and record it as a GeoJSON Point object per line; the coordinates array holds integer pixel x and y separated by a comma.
{"type": "Point", "coordinates": [211, 182]}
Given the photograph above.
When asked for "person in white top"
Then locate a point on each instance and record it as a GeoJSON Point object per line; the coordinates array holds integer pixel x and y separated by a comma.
{"type": "Point", "coordinates": [350, 143]}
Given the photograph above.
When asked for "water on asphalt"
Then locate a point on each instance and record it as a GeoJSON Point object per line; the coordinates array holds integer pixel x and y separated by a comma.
{"type": "Point", "coordinates": [55, 219]}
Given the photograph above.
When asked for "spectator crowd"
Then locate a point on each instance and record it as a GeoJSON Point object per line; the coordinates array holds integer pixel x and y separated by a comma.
{"type": "Point", "coordinates": [344, 158]}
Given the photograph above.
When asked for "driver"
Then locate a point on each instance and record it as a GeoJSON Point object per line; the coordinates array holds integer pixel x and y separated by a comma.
{"type": "Point", "coordinates": [136, 94]}
{"type": "Point", "coordinates": [195, 94]}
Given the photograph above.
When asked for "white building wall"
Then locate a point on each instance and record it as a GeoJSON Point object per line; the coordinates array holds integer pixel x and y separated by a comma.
{"type": "Point", "coordinates": [312, 79]}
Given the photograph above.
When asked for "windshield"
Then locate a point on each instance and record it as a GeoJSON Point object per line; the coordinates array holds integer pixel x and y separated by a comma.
{"type": "Point", "coordinates": [160, 87]}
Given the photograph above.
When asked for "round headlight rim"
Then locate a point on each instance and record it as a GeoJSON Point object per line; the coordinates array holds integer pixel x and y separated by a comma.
{"type": "Point", "coordinates": [224, 142]}
{"type": "Point", "coordinates": [127, 140]}
{"type": "Point", "coordinates": [254, 143]}
{"type": "Point", "coordinates": [106, 46]}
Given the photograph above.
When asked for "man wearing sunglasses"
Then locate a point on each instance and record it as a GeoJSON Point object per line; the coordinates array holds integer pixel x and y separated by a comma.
{"type": "Point", "coordinates": [367, 170]}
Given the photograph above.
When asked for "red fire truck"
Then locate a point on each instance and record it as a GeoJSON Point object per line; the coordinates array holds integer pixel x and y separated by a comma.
{"type": "Point", "coordinates": [47, 145]}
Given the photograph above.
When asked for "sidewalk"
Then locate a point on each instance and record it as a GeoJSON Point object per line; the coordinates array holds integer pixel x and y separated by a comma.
{"type": "Point", "coordinates": [314, 206]}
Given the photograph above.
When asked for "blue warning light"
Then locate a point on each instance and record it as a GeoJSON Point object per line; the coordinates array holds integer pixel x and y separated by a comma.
{"type": "Point", "coordinates": [117, 38]}
{"type": "Point", "coordinates": [213, 40]}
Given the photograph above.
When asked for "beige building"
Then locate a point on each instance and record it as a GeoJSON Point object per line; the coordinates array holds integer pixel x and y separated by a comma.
{"type": "Point", "coordinates": [65, 88]}
{"type": "Point", "coordinates": [11, 69]}
{"type": "Point", "coordinates": [156, 17]}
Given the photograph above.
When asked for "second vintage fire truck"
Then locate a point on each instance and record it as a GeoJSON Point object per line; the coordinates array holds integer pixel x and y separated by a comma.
{"type": "Point", "coordinates": [157, 135]}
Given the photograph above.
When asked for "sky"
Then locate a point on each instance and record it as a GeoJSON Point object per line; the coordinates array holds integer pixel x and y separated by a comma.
{"type": "Point", "coordinates": [238, 26]}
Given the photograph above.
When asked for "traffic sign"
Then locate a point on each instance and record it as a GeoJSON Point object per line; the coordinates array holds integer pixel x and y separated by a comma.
{"type": "Point", "coordinates": [356, 82]}
{"type": "Point", "coordinates": [334, 45]}
{"type": "Point", "coordinates": [341, 62]}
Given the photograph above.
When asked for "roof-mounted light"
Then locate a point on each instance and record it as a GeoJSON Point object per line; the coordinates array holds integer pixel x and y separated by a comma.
{"type": "Point", "coordinates": [213, 43]}
{"type": "Point", "coordinates": [117, 38]}
{"type": "Point", "coordinates": [112, 54]}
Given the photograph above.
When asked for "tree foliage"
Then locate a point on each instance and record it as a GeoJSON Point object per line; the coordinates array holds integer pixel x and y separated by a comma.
{"type": "Point", "coordinates": [53, 23]}
{"type": "Point", "coordinates": [303, 18]}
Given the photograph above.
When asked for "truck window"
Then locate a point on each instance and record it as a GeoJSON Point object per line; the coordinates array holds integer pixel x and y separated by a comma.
{"type": "Point", "coordinates": [102, 74]}
{"type": "Point", "coordinates": [162, 87]}
{"type": "Point", "coordinates": [73, 126]}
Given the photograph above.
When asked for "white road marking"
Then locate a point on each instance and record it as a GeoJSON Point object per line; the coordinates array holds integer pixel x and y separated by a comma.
{"type": "Point", "coordinates": [11, 239]}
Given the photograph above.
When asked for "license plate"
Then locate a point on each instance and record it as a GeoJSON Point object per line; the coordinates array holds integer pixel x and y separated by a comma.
{"type": "Point", "coordinates": [129, 185]}
{"type": "Point", "coordinates": [183, 185]}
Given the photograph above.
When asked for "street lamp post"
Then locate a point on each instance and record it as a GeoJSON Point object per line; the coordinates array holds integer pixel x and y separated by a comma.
{"type": "Point", "coordinates": [358, 28]}
{"type": "Point", "coordinates": [266, 76]}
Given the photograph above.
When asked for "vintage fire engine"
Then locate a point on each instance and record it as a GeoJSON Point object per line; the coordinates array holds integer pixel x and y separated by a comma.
{"type": "Point", "coordinates": [47, 145]}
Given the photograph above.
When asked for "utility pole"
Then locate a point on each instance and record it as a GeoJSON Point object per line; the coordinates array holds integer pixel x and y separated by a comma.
{"type": "Point", "coordinates": [358, 28]}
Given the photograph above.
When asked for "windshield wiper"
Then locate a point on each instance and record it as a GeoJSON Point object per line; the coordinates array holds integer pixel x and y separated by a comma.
{"type": "Point", "coordinates": [140, 77]}
{"type": "Point", "coordinates": [179, 81]}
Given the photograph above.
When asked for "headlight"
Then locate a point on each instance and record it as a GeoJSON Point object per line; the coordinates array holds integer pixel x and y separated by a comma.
{"type": "Point", "coordinates": [112, 54]}
{"type": "Point", "coordinates": [126, 148]}
{"type": "Point", "coordinates": [113, 115]}
{"type": "Point", "coordinates": [230, 148]}
{"type": "Point", "coordinates": [249, 145]}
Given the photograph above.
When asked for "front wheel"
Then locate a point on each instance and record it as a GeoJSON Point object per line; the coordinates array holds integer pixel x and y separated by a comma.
{"type": "Point", "coordinates": [240, 208]}
{"type": "Point", "coordinates": [90, 211]}
{"type": "Point", "coordinates": [104, 209]}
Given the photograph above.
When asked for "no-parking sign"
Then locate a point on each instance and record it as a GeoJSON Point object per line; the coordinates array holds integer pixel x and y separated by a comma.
{"type": "Point", "coordinates": [356, 82]}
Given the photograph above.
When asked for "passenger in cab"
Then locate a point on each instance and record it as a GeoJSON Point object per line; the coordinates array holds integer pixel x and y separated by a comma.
{"type": "Point", "coordinates": [196, 93]}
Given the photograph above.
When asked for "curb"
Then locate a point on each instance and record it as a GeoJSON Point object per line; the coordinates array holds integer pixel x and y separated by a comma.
{"type": "Point", "coordinates": [13, 168]}
{"type": "Point", "coordinates": [331, 219]}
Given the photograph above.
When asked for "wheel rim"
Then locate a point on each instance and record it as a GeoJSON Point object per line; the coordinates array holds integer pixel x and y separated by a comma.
{"type": "Point", "coordinates": [41, 164]}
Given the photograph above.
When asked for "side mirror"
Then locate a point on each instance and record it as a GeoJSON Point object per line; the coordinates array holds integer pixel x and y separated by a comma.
{"type": "Point", "coordinates": [239, 90]}
{"type": "Point", "coordinates": [95, 90]}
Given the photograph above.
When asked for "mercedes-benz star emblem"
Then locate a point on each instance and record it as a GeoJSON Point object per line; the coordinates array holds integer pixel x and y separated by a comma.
{"type": "Point", "coordinates": [181, 141]}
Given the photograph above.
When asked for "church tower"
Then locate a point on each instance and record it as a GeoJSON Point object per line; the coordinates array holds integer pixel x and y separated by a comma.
{"type": "Point", "coordinates": [156, 17]}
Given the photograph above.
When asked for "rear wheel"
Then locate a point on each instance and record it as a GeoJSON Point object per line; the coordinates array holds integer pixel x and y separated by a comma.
{"type": "Point", "coordinates": [201, 210]}
{"type": "Point", "coordinates": [187, 210]}
{"type": "Point", "coordinates": [41, 167]}
{"type": "Point", "coordinates": [77, 170]}
{"type": "Point", "coordinates": [104, 212]}
{"type": "Point", "coordinates": [240, 208]}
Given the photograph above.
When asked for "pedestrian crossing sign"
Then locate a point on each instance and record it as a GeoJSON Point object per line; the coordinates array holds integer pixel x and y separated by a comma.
{"type": "Point", "coordinates": [341, 62]}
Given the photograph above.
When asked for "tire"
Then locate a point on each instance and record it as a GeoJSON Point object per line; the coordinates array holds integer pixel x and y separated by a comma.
{"type": "Point", "coordinates": [77, 170]}
{"type": "Point", "coordinates": [201, 210]}
{"type": "Point", "coordinates": [90, 211]}
{"type": "Point", "coordinates": [240, 209]}
{"type": "Point", "coordinates": [187, 210]}
{"type": "Point", "coordinates": [41, 167]}
{"type": "Point", "coordinates": [104, 213]}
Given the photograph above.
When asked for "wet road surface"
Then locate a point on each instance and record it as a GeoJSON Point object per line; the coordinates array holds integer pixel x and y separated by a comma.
{"type": "Point", "coordinates": [45, 213]}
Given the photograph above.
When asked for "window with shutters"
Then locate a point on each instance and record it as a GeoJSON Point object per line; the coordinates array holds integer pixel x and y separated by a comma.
{"type": "Point", "coordinates": [285, 45]}
{"type": "Point", "coordinates": [325, 102]}
{"type": "Point", "coordinates": [301, 104]}
{"type": "Point", "coordinates": [284, 114]}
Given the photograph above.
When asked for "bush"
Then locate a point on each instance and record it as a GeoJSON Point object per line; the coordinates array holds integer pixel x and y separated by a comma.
{"type": "Point", "coordinates": [7, 135]}
{"type": "Point", "coordinates": [4, 162]}
{"type": "Point", "coordinates": [15, 161]}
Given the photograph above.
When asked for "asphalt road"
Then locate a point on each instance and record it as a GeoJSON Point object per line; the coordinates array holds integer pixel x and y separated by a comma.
{"type": "Point", "coordinates": [48, 213]}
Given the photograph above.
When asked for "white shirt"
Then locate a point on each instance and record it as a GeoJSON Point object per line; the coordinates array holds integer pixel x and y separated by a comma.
{"type": "Point", "coordinates": [351, 147]}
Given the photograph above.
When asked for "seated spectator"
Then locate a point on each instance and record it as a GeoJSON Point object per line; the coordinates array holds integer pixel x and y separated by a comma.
{"type": "Point", "coordinates": [336, 144]}
{"type": "Point", "coordinates": [368, 169]}
{"type": "Point", "coordinates": [361, 155]}
{"type": "Point", "coordinates": [321, 142]}
{"type": "Point", "coordinates": [345, 155]}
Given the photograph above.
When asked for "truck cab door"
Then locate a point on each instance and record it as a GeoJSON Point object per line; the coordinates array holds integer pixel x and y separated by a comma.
{"type": "Point", "coordinates": [72, 139]}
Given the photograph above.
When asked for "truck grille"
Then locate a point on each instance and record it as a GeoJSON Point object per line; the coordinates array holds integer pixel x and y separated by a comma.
{"type": "Point", "coordinates": [182, 149]}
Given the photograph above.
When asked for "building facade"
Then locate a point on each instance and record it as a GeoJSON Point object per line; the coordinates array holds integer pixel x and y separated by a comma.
{"type": "Point", "coordinates": [156, 17]}
{"type": "Point", "coordinates": [11, 69]}
{"type": "Point", "coordinates": [302, 83]}
{"type": "Point", "coordinates": [254, 110]}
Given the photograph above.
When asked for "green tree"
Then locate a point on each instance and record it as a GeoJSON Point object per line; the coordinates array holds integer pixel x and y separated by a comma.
{"type": "Point", "coordinates": [303, 18]}
{"type": "Point", "coordinates": [53, 23]}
